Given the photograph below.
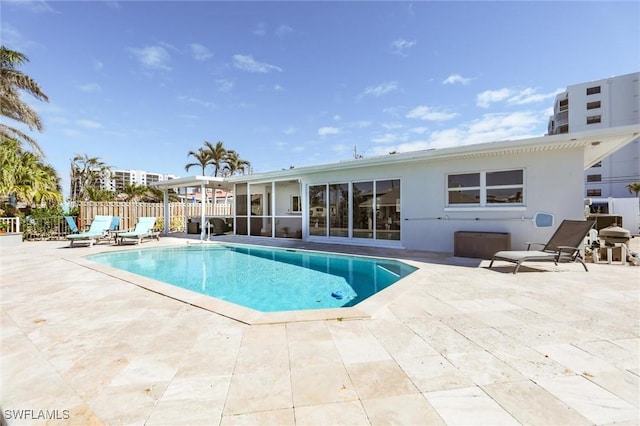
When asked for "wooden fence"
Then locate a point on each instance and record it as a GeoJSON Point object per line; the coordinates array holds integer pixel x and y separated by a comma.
{"type": "Point", "coordinates": [130, 212]}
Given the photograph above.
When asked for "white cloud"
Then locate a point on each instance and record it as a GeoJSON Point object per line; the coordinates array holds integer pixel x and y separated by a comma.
{"type": "Point", "coordinates": [361, 124]}
{"type": "Point", "coordinates": [381, 89]}
{"type": "Point", "coordinates": [283, 30]}
{"type": "Point", "coordinates": [423, 112]}
{"type": "Point", "coordinates": [456, 78]}
{"type": "Point", "coordinates": [336, 117]}
{"type": "Point", "coordinates": [289, 130]}
{"type": "Point", "coordinates": [419, 130]}
{"type": "Point", "coordinates": [196, 101]}
{"type": "Point", "coordinates": [278, 88]}
{"type": "Point", "coordinates": [513, 96]}
{"type": "Point", "coordinates": [529, 96]}
{"type": "Point", "coordinates": [261, 29]}
{"type": "Point", "coordinates": [488, 97]}
{"type": "Point", "coordinates": [97, 65]}
{"type": "Point", "coordinates": [225, 85]}
{"type": "Point", "coordinates": [328, 130]}
{"type": "Point", "coordinates": [247, 63]}
{"type": "Point", "coordinates": [400, 46]}
{"type": "Point", "coordinates": [488, 128]}
{"type": "Point", "coordinates": [387, 138]}
{"type": "Point", "coordinates": [34, 6]}
{"type": "Point", "coordinates": [153, 57]}
{"type": "Point", "coordinates": [392, 126]}
{"type": "Point", "coordinates": [89, 124]}
{"type": "Point", "coordinates": [90, 87]}
{"type": "Point", "coordinates": [200, 52]}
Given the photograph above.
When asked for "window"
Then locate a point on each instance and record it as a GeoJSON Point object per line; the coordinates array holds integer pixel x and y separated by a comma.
{"type": "Point", "coordinates": [594, 178]}
{"type": "Point", "coordinates": [593, 105]}
{"type": "Point", "coordinates": [593, 90]}
{"type": "Point", "coordinates": [564, 105]}
{"type": "Point", "coordinates": [486, 189]}
{"type": "Point", "coordinates": [593, 119]}
{"type": "Point", "coordinates": [594, 192]}
{"type": "Point", "coordinates": [295, 207]}
{"type": "Point", "coordinates": [367, 210]}
{"type": "Point", "coordinates": [598, 164]}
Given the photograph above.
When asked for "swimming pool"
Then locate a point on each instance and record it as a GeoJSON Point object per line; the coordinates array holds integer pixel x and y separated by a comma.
{"type": "Point", "coordinates": [260, 278]}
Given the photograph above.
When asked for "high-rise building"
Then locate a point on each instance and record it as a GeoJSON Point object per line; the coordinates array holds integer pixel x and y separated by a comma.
{"type": "Point", "coordinates": [609, 102]}
{"type": "Point", "coordinates": [115, 180]}
{"type": "Point", "coordinates": [119, 178]}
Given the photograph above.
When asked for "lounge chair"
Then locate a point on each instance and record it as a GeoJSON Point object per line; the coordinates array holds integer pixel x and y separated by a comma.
{"type": "Point", "coordinates": [99, 229]}
{"type": "Point", "coordinates": [72, 224]}
{"type": "Point", "coordinates": [143, 229]}
{"type": "Point", "coordinates": [564, 246]}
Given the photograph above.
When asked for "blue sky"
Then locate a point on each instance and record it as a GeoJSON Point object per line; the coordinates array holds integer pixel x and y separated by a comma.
{"type": "Point", "coordinates": [139, 84]}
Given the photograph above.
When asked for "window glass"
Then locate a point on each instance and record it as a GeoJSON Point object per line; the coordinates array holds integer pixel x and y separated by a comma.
{"type": "Point", "coordinates": [241, 199]}
{"type": "Point", "coordinates": [593, 90]}
{"type": "Point", "coordinates": [486, 188]}
{"type": "Point", "coordinates": [464, 197]}
{"type": "Point", "coordinates": [464, 180]}
{"type": "Point", "coordinates": [339, 210]}
{"type": "Point", "coordinates": [363, 210]}
{"type": "Point", "coordinates": [388, 209]}
{"type": "Point", "coordinates": [504, 195]}
{"type": "Point", "coordinates": [593, 105]}
{"type": "Point", "coordinates": [318, 210]}
{"type": "Point", "coordinates": [509, 177]}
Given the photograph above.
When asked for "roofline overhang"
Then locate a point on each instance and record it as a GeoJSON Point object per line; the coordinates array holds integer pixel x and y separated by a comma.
{"type": "Point", "coordinates": [598, 143]}
{"type": "Point", "coordinates": [194, 181]}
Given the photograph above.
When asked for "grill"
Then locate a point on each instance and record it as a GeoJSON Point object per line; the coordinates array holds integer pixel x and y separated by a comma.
{"type": "Point", "coordinates": [614, 234]}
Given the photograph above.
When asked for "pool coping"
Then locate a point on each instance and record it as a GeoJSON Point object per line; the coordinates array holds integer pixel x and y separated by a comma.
{"type": "Point", "coordinates": [363, 310]}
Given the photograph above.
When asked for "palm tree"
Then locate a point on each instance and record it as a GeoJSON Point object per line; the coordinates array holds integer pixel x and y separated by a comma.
{"type": "Point", "coordinates": [24, 176]}
{"type": "Point", "coordinates": [217, 155]}
{"type": "Point", "coordinates": [202, 157]}
{"type": "Point", "coordinates": [634, 187]}
{"type": "Point", "coordinates": [134, 192]}
{"type": "Point", "coordinates": [12, 82]}
{"type": "Point", "coordinates": [235, 164]}
{"type": "Point", "coordinates": [86, 172]}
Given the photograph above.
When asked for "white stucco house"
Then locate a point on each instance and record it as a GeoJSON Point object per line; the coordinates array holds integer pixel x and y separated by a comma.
{"type": "Point", "coordinates": [419, 200]}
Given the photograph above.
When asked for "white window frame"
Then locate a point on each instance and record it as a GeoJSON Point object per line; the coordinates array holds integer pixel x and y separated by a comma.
{"type": "Point", "coordinates": [483, 204]}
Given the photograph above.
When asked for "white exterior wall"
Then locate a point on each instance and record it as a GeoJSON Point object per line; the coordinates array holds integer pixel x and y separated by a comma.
{"type": "Point", "coordinates": [553, 184]}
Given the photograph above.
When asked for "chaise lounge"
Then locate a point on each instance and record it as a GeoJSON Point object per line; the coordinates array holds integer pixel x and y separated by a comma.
{"type": "Point", "coordinates": [143, 229]}
{"type": "Point", "coordinates": [99, 229]}
{"type": "Point", "coordinates": [564, 246]}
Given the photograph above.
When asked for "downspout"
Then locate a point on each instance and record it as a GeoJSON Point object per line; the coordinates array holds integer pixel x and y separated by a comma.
{"type": "Point", "coordinates": [186, 209]}
{"type": "Point", "coordinates": [203, 200]}
{"type": "Point", "coordinates": [167, 218]}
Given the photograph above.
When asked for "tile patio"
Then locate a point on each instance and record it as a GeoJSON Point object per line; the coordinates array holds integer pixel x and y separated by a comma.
{"type": "Point", "coordinates": [458, 344]}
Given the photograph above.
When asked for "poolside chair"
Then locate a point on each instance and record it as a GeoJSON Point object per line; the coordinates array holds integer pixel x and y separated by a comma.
{"type": "Point", "coordinates": [143, 229]}
{"type": "Point", "coordinates": [564, 246]}
{"type": "Point", "coordinates": [72, 224]}
{"type": "Point", "coordinates": [99, 229]}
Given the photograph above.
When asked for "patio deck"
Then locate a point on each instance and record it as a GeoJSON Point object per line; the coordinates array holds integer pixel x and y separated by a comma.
{"type": "Point", "coordinates": [460, 344]}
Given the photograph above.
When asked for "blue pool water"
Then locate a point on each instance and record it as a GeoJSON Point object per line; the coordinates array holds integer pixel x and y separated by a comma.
{"type": "Point", "coordinates": [265, 279]}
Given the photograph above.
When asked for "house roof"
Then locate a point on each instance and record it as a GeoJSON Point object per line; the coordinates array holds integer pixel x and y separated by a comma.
{"type": "Point", "coordinates": [597, 144]}
{"type": "Point", "coordinates": [194, 181]}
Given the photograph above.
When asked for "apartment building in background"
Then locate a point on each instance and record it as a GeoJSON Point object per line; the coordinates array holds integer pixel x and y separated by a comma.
{"type": "Point", "coordinates": [120, 178]}
{"type": "Point", "coordinates": [609, 102]}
